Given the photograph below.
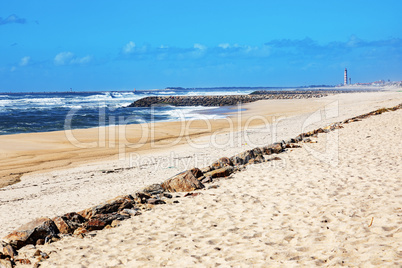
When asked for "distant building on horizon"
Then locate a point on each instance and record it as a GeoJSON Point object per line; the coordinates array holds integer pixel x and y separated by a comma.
{"type": "Point", "coordinates": [345, 77]}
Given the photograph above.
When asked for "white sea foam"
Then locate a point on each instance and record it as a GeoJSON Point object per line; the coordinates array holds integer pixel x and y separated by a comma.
{"type": "Point", "coordinates": [189, 113]}
{"type": "Point", "coordinates": [167, 93]}
{"type": "Point", "coordinates": [4, 103]}
{"type": "Point", "coordinates": [91, 104]}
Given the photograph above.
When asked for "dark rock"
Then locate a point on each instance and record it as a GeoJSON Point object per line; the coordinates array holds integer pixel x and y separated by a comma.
{"type": "Point", "coordinates": [37, 253]}
{"type": "Point", "coordinates": [142, 197]}
{"type": "Point", "coordinates": [196, 172]}
{"type": "Point", "coordinates": [257, 160]}
{"type": "Point", "coordinates": [206, 169]}
{"type": "Point", "coordinates": [23, 261]}
{"type": "Point", "coordinates": [114, 205]}
{"type": "Point", "coordinates": [167, 195]}
{"type": "Point", "coordinates": [218, 173]}
{"type": "Point", "coordinates": [69, 222]}
{"type": "Point", "coordinates": [154, 201]}
{"type": "Point", "coordinates": [153, 189]}
{"type": "Point", "coordinates": [222, 162]}
{"type": "Point", "coordinates": [293, 146]}
{"type": "Point", "coordinates": [246, 156]}
{"type": "Point", "coordinates": [257, 151]}
{"type": "Point", "coordinates": [299, 138]}
{"type": "Point", "coordinates": [225, 100]}
{"type": "Point", "coordinates": [62, 225]}
{"type": "Point", "coordinates": [183, 182]}
{"type": "Point", "coordinates": [100, 221]}
{"type": "Point", "coordinates": [267, 150]}
{"type": "Point", "coordinates": [242, 158]}
{"type": "Point", "coordinates": [95, 224]}
{"type": "Point", "coordinates": [320, 130]}
{"type": "Point", "coordinates": [277, 148]}
{"type": "Point", "coordinates": [29, 233]}
{"type": "Point", "coordinates": [206, 179]}
{"type": "Point", "coordinates": [309, 134]}
{"type": "Point", "coordinates": [191, 194]}
{"type": "Point", "coordinates": [236, 160]}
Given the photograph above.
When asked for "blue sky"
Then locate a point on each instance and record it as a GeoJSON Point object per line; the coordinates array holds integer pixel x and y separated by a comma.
{"type": "Point", "coordinates": [121, 45]}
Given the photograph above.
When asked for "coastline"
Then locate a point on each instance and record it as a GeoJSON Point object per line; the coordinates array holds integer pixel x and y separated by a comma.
{"type": "Point", "coordinates": [41, 152]}
{"type": "Point", "coordinates": [281, 191]}
{"type": "Point", "coordinates": [93, 179]}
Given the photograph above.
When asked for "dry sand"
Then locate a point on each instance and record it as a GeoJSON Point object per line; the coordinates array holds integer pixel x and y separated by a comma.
{"type": "Point", "coordinates": [296, 211]}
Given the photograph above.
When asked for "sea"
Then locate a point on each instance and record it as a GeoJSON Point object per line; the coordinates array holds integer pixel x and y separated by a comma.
{"type": "Point", "coordinates": [55, 111]}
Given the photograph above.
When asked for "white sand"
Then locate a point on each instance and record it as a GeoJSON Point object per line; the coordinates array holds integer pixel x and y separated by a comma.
{"type": "Point", "coordinates": [270, 214]}
{"type": "Point", "coordinates": [301, 211]}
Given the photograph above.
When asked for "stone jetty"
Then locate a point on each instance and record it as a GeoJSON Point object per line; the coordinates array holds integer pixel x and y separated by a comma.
{"type": "Point", "coordinates": [230, 100]}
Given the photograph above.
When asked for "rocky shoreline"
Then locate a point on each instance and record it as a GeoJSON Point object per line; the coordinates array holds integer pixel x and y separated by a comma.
{"type": "Point", "coordinates": [230, 100]}
{"type": "Point", "coordinates": [110, 213]}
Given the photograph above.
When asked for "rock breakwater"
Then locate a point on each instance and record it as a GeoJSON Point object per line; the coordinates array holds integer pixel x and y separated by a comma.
{"type": "Point", "coordinates": [219, 100]}
{"type": "Point", "coordinates": [230, 100]}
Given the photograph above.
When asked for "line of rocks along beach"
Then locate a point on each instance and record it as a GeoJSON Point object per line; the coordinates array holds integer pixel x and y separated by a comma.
{"type": "Point", "coordinates": [230, 100]}
{"type": "Point", "coordinates": [110, 213]}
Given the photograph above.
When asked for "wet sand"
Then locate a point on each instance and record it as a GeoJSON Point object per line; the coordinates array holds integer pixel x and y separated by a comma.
{"type": "Point", "coordinates": [41, 152]}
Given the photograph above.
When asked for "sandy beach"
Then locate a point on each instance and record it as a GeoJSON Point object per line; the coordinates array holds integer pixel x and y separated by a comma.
{"type": "Point", "coordinates": [313, 207]}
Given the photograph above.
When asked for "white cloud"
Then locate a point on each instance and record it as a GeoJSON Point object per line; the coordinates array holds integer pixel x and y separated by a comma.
{"type": "Point", "coordinates": [13, 69]}
{"type": "Point", "coordinates": [24, 61]}
{"type": "Point", "coordinates": [224, 46]}
{"type": "Point", "coordinates": [129, 47]}
{"type": "Point", "coordinates": [63, 58]}
{"type": "Point", "coordinates": [200, 47]}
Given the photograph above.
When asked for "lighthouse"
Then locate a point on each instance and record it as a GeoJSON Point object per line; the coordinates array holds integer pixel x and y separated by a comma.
{"type": "Point", "coordinates": [345, 77]}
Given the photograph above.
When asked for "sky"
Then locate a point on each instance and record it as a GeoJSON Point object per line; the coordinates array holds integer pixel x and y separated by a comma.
{"type": "Point", "coordinates": [122, 45]}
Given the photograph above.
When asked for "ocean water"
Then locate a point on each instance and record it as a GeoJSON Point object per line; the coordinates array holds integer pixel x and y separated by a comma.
{"type": "Point", "coordinates": [42, 112]}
